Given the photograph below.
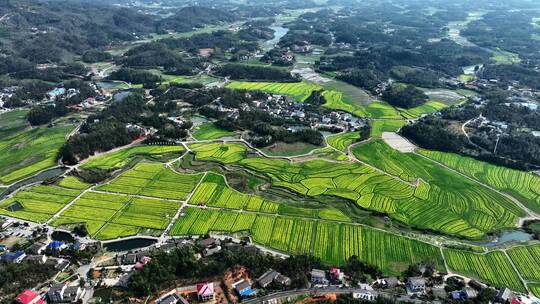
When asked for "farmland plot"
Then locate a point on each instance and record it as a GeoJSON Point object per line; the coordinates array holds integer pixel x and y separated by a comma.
{"type": "Point", "coordinates": [493, 268]}
{"type": "Point", "coordinates": [343, 141]}
{"type": "Point", "coordinates": [153, 180]}
{"type": "Point", "coordinates": [38, 203]}
{"type": "Point", "coordinates": [120, 158]}
{"type": "Point", "coordinates": [527, 261]}
{"type": "Point", "coordinates": [522, 185]}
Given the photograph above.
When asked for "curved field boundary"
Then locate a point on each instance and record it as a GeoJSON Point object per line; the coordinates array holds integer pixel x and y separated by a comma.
{"type": "Point", "coordinates": [524, 186]}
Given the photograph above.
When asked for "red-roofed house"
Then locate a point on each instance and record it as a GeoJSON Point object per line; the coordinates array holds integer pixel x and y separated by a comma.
{"type": "Point", "coordinates": [516, 301]}
{"type": "Point", "coordinates": [29, 297]}
{"type": "Point", "coordinates": [140, 264]}
{"type": "Point", "coordinates": [205, 291]}
{"type": "Point", "coordinates": [336, 274]}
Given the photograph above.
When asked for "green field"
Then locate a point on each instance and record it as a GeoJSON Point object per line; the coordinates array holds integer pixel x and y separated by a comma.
{"type": "Point", "coordinates": [223, 153]}
{"type": "Point", "coordinates": [427, 108]}
{"type": "Point", "coordinates": [71, 182]}
{"type": "Point", "coordinates": [332, 242]}
{"type": "Point", "coordinates": [120, 158]}
{"type": "Point", "coordinates": [337, 100]}
{"type": "Point", "coordinates": [504, 57]}
{"type": "Point", "coordinates": [153, 180]}
{"type": "Point", "coordinates": [527, 261]}
{"type": "Point", "coordinates": [522, 185]}
{"type": "Point", "coordinates": [534, 288]}
{"type": "Point", "coordinates": [289, 149]}
{"type": "Point", "coordinates": [493, 268]}
{"type": "Point", "coordinates": [210, 131]}
{"type": "Point", "coordinates": [25, 153]}
{"type": "Point", "coordinates": [38, 203]}
{"type": "Point", "coordinates": [343, 141]}
{"type": "Point", "coordinates": [299, 90]}
{"type": "Point", "coordinates": [13, 122]}
{"type": "Point", "coordinates": [378, 127]}
{"type": "Point", "coordinates": [444, 200]}
{"type": "Point", "coordinates": [110, 216]}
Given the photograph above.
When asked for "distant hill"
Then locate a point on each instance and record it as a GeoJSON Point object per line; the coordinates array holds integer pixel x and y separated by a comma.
{"type": "Point", "coordinates": [51, 32]}
{"type": "Point", "coordinates": [188, 18]}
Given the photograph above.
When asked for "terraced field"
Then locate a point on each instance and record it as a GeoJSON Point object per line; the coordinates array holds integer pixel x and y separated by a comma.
{"type": "Point", "coordinates": [522, 185]}
{"type": "Point", "coordinates": [493, 268]}
{"type": "Point", "coordinates": [153, 180]}
{"type": "Point", "coordinates": [210, 131]}
{"type": "Point", "coordinates": [121, 158]}
{"type": "Point", "coordinates": [38, 203]}
{"type": "Point", "coordinates": [25, 153]}
{"type": "Point", "coordinates": [463, 208]}
{"type": "Point", "coordinates": [527, 261]}
{"type": "Point", "coordinates": [343, 141]}
{"type": "Point", "coordinates": [332, 242]}
{"type": "Point", "coordinates": [378, 127]}
{"type": "Point", "coordinates": [222, 153]}
{"type": "Point", "coordinates": [427, 108]}
{"type": "Point", "coordinates": [459, 205]}
{"type": "Point", "coordinates": [213, 191]}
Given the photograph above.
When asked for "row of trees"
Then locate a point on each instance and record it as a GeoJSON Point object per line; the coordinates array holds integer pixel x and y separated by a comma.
{"type": "Point", "coordinates": [252, 72]}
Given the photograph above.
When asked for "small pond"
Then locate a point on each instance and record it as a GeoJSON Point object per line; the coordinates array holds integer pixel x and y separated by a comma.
{"type": "Point", "coordinates": [509, 236]}
{"type": "Point", "coordinates": [127, 245]}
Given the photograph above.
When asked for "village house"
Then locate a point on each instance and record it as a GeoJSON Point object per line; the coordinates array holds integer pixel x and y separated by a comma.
{"type": "Point", "coordinates": [205, 291]}
{"type": "Point", "coordinates": [416, 285]}
{"type": "Point", "coordinates": [504, 295]}
{"type": "Point", "coordinates": [272, 276]}
{"type": "Point", "coordinates": [172, 299]}
{"type": "Point", "coordinates": [318, 277]}
{"type": "Point", "coordinates": [209, 242]}
{"type": "Point", "coordinates": [367, 295]}
{"type": "Point", "coordinates": [13, 257]}
{"type": "Point", "coordinates": [62, 293]}
{"type": "Point", "coordinates": [243, 288]}
{"type": "Point", "coordinates": [211, 251]}
{"type": "Point", "coordinates": [36, 259]}
{"type": "Point", "coordinates": [29, 297]}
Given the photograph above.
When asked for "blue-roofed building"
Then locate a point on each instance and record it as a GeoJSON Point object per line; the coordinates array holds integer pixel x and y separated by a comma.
{"type": "Point", "coordinates": [243, 288]}
{"type": "Point", "coordinates": [56, 92]}
{"type": "Point", "coordinates": [2, 248]}
{"type": "Point", "coordinates": [13, 257]}
{"type": "Point", "coordinates": [56, 245]}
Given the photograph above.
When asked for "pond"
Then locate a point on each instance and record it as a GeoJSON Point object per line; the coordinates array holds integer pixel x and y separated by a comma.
{"type": "Point", "coordinates": [127, 245]}
{"type": "Point", "coordinates": [121, 95]}
{"type": "Point", "coordinates": [509, 236]}
{"type": "Point", "coordinates": [62, 237]}
{"type": "Point", "coordinates": [106, 85]}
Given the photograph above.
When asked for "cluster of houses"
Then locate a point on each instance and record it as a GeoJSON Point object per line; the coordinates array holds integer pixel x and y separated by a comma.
{"type": "Point", "coordinates": [57, 294]}
{"type": "Point", "coordinates": [280, 106]}
{"type": "Point", "coordinates": [35, 255]}
{"type": "Point", "coordinates": [7, 93]}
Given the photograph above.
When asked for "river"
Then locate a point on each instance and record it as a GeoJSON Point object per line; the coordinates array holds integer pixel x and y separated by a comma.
{"type": "Point", "coordinates": [279, 32]}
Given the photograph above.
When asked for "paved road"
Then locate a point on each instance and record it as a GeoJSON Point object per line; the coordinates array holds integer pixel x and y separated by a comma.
{"type": "Point", "coordinates": [321, 291]}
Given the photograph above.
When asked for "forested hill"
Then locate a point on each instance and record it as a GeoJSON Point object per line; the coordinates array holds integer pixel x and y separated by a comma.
{"type": "Point", "coordinates": [191, 17]}
{"type": "Point", "coordinates": [45, 32]}
{"type": "Point", "coordinates": [36, 32]}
